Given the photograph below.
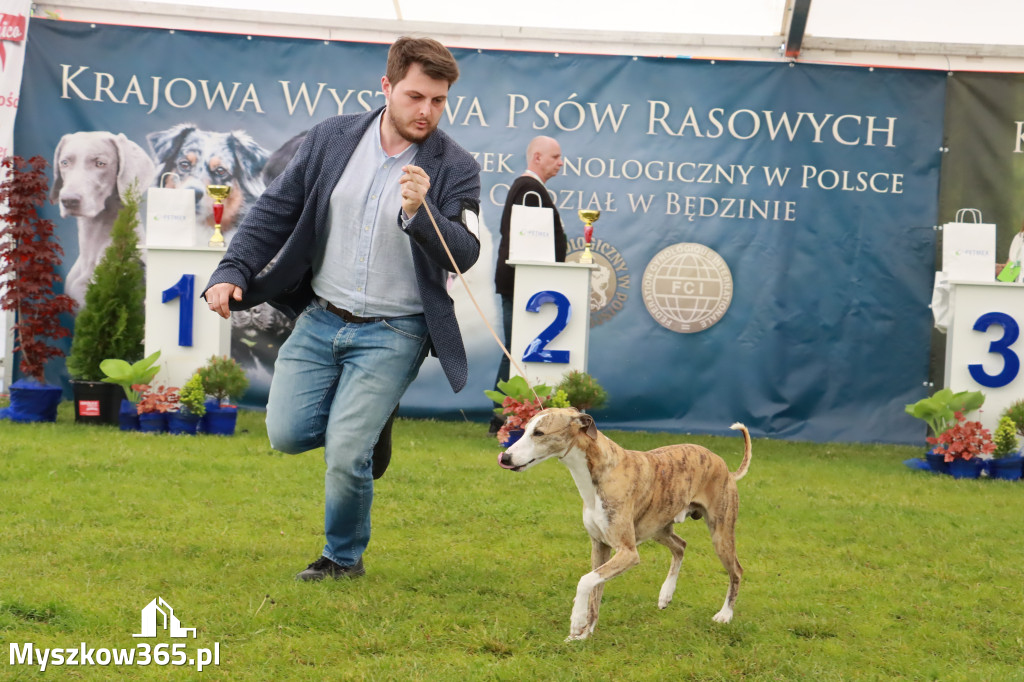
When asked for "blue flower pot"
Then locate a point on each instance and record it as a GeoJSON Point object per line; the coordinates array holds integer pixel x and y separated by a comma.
{"type": "Point", "coordinates": [128, 416]}
{"type": "Point", "coordinates": [513, 436]}
{"type": "Point", "coordinates": [1007, 468]}
{"type": "Point", "coordinates": [937, 462]}
{"type": "Point", "coordinates": [153, 422]}
{"type": "Point", "coordinates": [966, 468]}
{"type": "Point", "coordinates": [219, 421]}
{"type": "Point", "coordinates": [182, 423]}
{"type": "Point", "coordinates": [32, 402]}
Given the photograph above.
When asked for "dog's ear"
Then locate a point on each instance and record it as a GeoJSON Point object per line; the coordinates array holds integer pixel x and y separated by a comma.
{"type": "Point", "coordinates": [587, 425]}
{"type": "Point", "coordinates": [135, 168]}
{"type": "Point", "coordinates": [250, 158]}
{"type": "Point", "coordinates": [167, 143]}
{"type": "Point", "coordinates": [58, 177]}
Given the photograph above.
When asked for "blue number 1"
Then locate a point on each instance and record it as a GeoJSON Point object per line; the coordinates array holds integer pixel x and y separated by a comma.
{"type": "Point", "coordinates": [1001, 346]}
{"type": "Point", "coordinates": [537, 351]}
{"type": "Point", "coordinates": [184, 288]}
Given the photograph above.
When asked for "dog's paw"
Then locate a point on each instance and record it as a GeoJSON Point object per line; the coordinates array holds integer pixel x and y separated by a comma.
{"type": "Point", "coordinates": [576, 638]}
{"type": "Point", "coordinates": [723, 616]}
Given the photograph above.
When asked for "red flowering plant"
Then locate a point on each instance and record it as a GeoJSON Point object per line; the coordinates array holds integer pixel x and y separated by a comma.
{"type": "Point", "coordinates": [519, 403]}
{"type": "Point", "coordinates": [964, 439]}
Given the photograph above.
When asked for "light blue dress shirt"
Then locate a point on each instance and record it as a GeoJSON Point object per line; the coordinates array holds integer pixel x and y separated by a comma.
{"type": "Point", "coordinates": [365, 263]}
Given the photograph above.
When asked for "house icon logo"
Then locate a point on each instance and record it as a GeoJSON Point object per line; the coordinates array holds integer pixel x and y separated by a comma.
{"type": "Point", "coordinates": [158, 613]}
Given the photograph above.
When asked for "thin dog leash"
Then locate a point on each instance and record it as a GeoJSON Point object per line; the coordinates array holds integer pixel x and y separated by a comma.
{"type": "Point", "coordinates": [477, 305]}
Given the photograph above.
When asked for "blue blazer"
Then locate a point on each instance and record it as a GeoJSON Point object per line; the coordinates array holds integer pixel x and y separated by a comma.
{"type": "Point", "coordinates": [283, 228]}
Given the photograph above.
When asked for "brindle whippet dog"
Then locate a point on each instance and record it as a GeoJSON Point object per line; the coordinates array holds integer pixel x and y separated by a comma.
{"type": "Point", "coordinates": [631, 496]}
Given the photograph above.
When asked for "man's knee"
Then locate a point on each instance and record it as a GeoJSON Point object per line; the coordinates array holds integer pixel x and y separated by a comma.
{"type": "Point", "coordinates": [290, 440]}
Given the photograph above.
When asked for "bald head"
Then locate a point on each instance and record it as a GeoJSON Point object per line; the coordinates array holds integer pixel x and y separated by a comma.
{"type": "Point", "coordinates": [544, 157]}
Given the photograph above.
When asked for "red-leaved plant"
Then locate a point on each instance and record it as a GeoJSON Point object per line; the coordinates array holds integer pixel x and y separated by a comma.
{"type": "Point", "coordinates": [964, 440]}
{"type": "Point", "coordinates": [29, 254]}
{"type": "Point", "coordinates": [517, 413]}
{"type": "Point", "coordinates": [156, 398]}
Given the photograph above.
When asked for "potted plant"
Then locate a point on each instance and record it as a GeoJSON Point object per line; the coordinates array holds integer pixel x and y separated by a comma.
{"type": "Point", "coordinates": [191, 401]}
{"type": "Point", "coordinates": [222, 378]}
{"type": "Point", "coordinates": [127, 376]}
{"type": "Point", "coordinates": [1006, 462]}
{"type": "Point", "coordinates": [154, 404]}
{"type": "Point", "coordinates": [1015, 411]}
{"type": "Point", "coordinates": [29, 255]}
{"type": "Point", "coordinates": [112, 323]}
{"type": "Point", "coordinates": [519, 403]}
{"type": "Point", "coordinates": [962, 445]}
{"type": "Point", "coordinates": [583, 391]}
{"type": "Point", "coordinates": [938, 411]}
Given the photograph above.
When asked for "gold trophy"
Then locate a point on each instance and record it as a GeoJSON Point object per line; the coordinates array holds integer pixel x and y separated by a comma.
{"type": "Point", "coordinates": [219, 194]}
{"type": "Point", "coordinates": [589, 217]}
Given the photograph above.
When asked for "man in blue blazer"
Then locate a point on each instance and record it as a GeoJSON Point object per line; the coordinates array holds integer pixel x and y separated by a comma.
{"type": "Point", "coordinates": [342, 239]}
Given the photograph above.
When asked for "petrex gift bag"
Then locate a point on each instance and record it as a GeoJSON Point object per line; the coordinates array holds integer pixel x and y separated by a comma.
{"type": "Point", "coordinates": [531, 232]}
{"type": "Point", "coordinates": [170, 216]}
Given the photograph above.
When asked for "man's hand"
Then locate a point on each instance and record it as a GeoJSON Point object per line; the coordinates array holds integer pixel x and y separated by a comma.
{"type": "Point", "coordinates": [219, 296]}
{"type": "Point", "coordinates": [415, 183]}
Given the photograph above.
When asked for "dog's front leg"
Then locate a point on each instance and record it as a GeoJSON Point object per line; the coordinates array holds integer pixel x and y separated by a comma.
{"type": "Point", "coordinates": [599, 555]}
{"type": "Point", "coordinates": [624, 559]}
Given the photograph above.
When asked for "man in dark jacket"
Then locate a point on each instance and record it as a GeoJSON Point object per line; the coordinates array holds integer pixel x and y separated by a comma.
{"type": "Point", "coordinates": [357, 258]}
{"type": "Point", "coordinates": [543, 161]}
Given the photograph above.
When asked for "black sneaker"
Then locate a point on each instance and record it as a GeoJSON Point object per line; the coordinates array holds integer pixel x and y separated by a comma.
{"type": "Point", "coordinates": [324, 567]}
{"type": "Point", "coordinates": [382, 450]}
{"type": "Point", "coordinates": [495, 426]}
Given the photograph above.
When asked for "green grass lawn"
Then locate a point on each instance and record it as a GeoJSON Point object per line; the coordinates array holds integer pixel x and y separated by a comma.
{"type": "Point", "coordinates": [856, 568]}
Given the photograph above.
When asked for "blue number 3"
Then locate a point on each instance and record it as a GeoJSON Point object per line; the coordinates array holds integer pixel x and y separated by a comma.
{"type": "Point", "coordinates": [1001, 346]}
{"type": "Point", "coordinates": [537, 351]}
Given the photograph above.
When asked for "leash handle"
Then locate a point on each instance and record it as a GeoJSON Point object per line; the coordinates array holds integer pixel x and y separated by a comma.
{"type": "Point", "coordinates": [476, 305]}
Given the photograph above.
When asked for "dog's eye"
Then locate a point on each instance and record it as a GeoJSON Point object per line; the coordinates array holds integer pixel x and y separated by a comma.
{"type": "Point", "coordinates": [538, 432]}
{"type": "Point", "coordinates": [184, 165]}
{"type": "Point", "coordinates": [100, 164]}
{"type": "Point", "coordinates": [220, 172]}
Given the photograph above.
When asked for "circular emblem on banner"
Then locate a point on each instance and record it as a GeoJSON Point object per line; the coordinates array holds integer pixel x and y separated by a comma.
{"type": "Point", "coordinates": [609, 282]}
{"type": "Point", "coordinates": [687, 287]}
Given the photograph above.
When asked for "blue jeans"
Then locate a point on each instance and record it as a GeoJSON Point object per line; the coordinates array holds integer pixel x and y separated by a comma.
{"type": "Point", "coordinates": [335, 385]}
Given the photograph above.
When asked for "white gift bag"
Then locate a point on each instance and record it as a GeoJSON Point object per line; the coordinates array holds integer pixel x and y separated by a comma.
{"type": "Point", "coordinates": [531, 232]}
{"type": "Point", "coordinates": [170, 216]}
{"type": "Point", "coordinates": [969, 248]}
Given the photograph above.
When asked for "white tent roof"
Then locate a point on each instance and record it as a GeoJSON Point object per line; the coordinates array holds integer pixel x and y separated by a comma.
{"type": "Point", "coordinates": [944, 34]}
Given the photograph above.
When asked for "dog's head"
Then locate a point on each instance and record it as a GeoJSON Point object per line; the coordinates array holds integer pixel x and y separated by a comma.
{"type": "Point", "coordinates": [93, 170]}
{"type": "Point", "coordinates": [197, 158]}
{"type": "Point", "coordinates": [551, 433]}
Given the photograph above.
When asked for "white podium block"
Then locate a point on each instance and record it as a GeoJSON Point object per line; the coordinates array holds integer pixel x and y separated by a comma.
{"type": "Point", "coordinates": [984, 344]}
{"type": "Point", "coordinates": [550, 320]}
{"type": "Point", "coordinates": [178, 322]}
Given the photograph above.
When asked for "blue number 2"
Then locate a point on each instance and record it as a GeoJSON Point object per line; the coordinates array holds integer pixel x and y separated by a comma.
{"type": "Point", "coordinates": [537, 351]}
{"type": "Point", "coordinates": [1001, 346]}
{"type": "Point", "coordinates": [184, 288]}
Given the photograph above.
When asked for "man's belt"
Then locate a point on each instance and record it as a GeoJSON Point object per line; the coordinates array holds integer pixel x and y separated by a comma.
{"type": "Point", "coordinates": [349, 317]}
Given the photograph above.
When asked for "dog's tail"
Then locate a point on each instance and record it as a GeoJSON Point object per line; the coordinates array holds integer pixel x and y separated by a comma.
{"type": "Point", "coordinates": [747, 451]}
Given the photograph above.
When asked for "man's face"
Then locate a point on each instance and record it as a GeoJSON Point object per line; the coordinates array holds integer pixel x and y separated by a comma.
{"type": "Point", "coordinates": [550, 161]}
{"type": "Point", "coordinates": [415, 103]}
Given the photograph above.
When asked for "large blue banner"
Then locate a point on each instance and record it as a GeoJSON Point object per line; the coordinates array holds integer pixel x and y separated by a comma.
{"type": "Point", "coordinates": [765, 243]}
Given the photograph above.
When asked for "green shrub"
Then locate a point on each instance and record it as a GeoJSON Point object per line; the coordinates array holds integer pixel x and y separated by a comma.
{"type": "Point", "coordinates": [113, 322]}
{"type": "Point", "coordinates": [1005, 437]}
{"type": "Point", "coordinates": [193, 396]}
{"type": "Point", "coordinates": [1015, 411]}
{"type": "Point", "coordinates": [583, 391]}
{"type": "Point", "coordinates": [222, 377]}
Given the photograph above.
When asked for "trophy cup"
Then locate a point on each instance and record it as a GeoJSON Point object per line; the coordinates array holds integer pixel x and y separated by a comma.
{"type": "Point", "coordinates": [589, 217]}
{"type": "Point", "coordinates": [219, 194]}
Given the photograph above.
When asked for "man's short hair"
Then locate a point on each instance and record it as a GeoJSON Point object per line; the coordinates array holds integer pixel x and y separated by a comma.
{"type": "Point", "coordinates": [433, 57]}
